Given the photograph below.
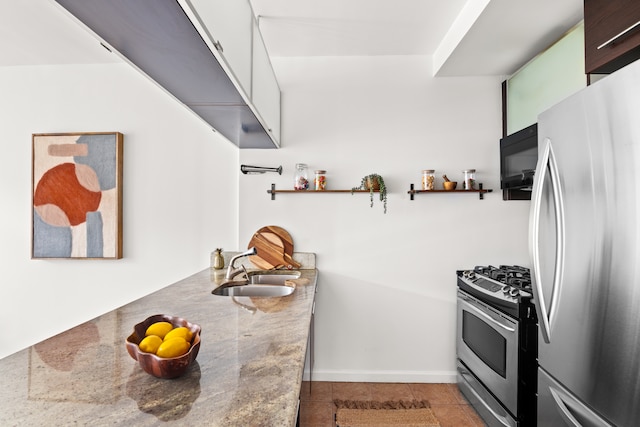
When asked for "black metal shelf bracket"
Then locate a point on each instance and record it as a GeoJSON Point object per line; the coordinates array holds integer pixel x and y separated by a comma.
{"type": "Point", "coordinates": [481, 191]}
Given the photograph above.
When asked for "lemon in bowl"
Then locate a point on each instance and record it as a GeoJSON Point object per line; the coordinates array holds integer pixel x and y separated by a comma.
{"type": "Point", "coordinates": [164, 346]}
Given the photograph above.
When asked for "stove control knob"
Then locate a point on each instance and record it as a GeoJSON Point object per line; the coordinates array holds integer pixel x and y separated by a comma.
{"type": "Point", "coordinates": [506, 289]}
{"type": "Point", "coordinates": [514, 292]}
{"type": "Point", "coordinates": [472, 275]}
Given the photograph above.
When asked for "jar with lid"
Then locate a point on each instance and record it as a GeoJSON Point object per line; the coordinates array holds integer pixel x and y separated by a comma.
{"type": "Point", "coordinates": [300, 178]}
{"type": "Point", "coordinates": [469, 182]}
{"type": "Point", "coordinates": [321, 180]}
{"type": "Point", "coordinates": [428, 179]}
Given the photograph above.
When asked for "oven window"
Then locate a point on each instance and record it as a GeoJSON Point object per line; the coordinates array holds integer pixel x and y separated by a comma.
{"type": "Point", "coordinates": [485, 342]}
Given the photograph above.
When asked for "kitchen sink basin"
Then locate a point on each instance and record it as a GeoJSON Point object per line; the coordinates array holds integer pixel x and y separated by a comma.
{"type": "Point", "coordinates": [272, 278]}
{"type": "Point", "coordinates": [259, 284]}
{"type": "Point", "coordinates": [254, 290]}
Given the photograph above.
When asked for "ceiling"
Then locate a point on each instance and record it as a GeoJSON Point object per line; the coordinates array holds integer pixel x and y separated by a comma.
{"type": "Point", "coordinates": [354, 27]}
{"type": "Point", "coordinates": [464, 37]}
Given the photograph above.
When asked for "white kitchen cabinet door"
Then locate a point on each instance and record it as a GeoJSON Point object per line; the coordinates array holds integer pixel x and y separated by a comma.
{"type": "Point", "coordinates": [229, 25]}
{"type": "Point", "coordinates": [266, 92]}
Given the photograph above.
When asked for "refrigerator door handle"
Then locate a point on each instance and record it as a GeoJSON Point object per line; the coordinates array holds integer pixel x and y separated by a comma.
{"type": "Point", "coordinates": [579, 417]}
{"type": "Point", "coordinates": [564, 411]}
{"type": "Point", "coordinates": [546, 163]}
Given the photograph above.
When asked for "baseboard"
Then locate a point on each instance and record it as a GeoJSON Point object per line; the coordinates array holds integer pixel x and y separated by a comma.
{"type": "Point", "coordinates": [383, 376]}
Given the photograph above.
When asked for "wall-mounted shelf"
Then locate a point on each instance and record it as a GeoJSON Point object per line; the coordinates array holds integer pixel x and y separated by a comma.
{"type": "Point", "coordinates": [481, 191]}
{"type": "Point", "coordinates": [273, 191]}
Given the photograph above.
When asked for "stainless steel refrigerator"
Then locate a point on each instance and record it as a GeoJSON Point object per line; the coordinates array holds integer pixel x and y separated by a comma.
{"type": "Point", "coordinates": [585, 255]}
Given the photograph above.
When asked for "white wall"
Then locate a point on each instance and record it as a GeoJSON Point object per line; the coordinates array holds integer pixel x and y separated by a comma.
{"type": "Point", "coordinates": [180, 195]}
{"type": "Point", "coordinates": [386, 303]}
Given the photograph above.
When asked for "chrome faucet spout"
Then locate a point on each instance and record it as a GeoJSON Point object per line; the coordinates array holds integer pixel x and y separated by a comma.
{"type": "Point", "coordinates": [233, 271]}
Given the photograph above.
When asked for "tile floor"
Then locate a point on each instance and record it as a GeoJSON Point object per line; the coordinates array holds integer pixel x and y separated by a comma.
{"type": "Point", "coordinates": [449, 406]}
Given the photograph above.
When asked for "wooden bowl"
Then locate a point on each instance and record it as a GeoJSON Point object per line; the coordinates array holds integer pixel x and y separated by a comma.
{"type": "Point", "coordinates": [450, 185]}
{"type": "Point", "coordinates": [163, 367]}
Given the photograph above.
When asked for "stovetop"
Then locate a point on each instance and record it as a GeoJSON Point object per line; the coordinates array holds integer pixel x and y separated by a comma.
{"type": "Point", "coordinates": [513, 275]}
{"type": "Point", "coordinates": [506, 287]}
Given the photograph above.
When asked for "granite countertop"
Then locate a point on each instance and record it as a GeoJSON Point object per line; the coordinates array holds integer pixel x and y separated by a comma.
{"type": "Point", "coordinates": [248, 371]}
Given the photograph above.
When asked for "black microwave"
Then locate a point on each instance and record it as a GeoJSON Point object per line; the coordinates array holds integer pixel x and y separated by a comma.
{"type": "Point", "coordinates": [518, 159]}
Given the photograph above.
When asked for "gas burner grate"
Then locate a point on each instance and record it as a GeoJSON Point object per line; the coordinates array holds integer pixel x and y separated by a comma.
{"type": "Point", "coordinates": [513, 275]}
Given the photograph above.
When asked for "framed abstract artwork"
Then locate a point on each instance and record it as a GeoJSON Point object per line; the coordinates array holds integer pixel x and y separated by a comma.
{"type": "Point", "coordinates": [77, 195]}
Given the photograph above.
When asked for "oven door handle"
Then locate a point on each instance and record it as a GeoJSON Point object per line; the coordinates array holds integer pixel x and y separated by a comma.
{"type": "Point", "coordinates": [478, 310]}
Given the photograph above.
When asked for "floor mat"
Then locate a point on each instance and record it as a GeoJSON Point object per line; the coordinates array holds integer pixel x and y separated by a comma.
{"type": "Point", "coordinates": [413, 413]}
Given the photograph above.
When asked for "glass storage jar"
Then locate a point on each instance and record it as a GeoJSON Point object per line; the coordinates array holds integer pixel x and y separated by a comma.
{"type": "Point", "coordinates": [321, 180]}
{"type": "Point", "coordinates": [428, 179]}
{"type": "Point", "coordinates": [300, 178]}
{"type": "Point", "coordinates": [469, 182]}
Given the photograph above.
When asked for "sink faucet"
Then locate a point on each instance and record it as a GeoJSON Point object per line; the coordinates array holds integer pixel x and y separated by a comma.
{"type": "Point", "coordinates": [232, 271]}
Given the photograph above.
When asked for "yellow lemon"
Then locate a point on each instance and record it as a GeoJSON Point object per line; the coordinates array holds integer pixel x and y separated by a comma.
{"type": "Point", "coordinates": [179, 332]}
{"type": "Point", "coordinates": [150, 344]}
{"type": "Point", "coordinates": [159, 328]}
{"type": "Point", "coordinates": [173, 347]}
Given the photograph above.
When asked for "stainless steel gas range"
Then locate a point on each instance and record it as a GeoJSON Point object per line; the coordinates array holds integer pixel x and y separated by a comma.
{"type": "Point", "coordinates": [497, 344]}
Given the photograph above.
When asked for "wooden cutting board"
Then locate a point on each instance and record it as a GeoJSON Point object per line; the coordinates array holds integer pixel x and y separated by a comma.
{"type": "Point", "coordinates": [270, 250]}
{"type": "Point", "coordinates": [288, 244]}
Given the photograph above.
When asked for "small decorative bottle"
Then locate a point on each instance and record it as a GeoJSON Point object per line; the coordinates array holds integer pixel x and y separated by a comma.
{"type": "Point", "coordinates": [469, 182]}
{"type": "Point", "coordinates": [300, 178]}
{"type": "Point", "coordinates": [321, 180]}
{"type": "Point", "coordinates": [218, 260]}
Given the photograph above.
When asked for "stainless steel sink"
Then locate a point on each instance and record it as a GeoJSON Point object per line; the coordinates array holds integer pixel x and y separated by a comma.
{"type": "Point", "coordinates": [259, 284]}
{"type": "Point", "coordinates": [252, 290]}
{"type": "Point", "coordinates": [272, 278]}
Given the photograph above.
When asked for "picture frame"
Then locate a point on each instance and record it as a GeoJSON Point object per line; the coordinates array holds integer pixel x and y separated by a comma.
{"type": "Point", "coordinates": [77, 195]}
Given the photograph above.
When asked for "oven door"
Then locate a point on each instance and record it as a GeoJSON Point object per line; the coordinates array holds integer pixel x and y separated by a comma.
{"type": "Point", "coordinates": [487, 343]}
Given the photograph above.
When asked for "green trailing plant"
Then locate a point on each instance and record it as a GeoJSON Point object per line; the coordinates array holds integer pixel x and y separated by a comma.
{"type": "Point", "coordinates": [373, 182]}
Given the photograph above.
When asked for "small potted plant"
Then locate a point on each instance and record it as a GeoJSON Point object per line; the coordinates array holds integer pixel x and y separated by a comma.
{"type": "Point", "coordinates": [373, 182]}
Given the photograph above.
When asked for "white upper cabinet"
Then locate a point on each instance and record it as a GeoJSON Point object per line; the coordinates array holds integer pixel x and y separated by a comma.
{"type": "Point", "coordinates": [266, 92]}
{"type": "Point", "coordinates": [229, 26]}
{"type": "Point", "coordinates": [232, 30]}
{"type": "Point", "coordinates": [201, 52]}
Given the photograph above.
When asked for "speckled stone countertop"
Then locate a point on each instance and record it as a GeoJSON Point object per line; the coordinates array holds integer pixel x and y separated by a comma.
{"type": "Point", "coordinates": [248, 371]}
